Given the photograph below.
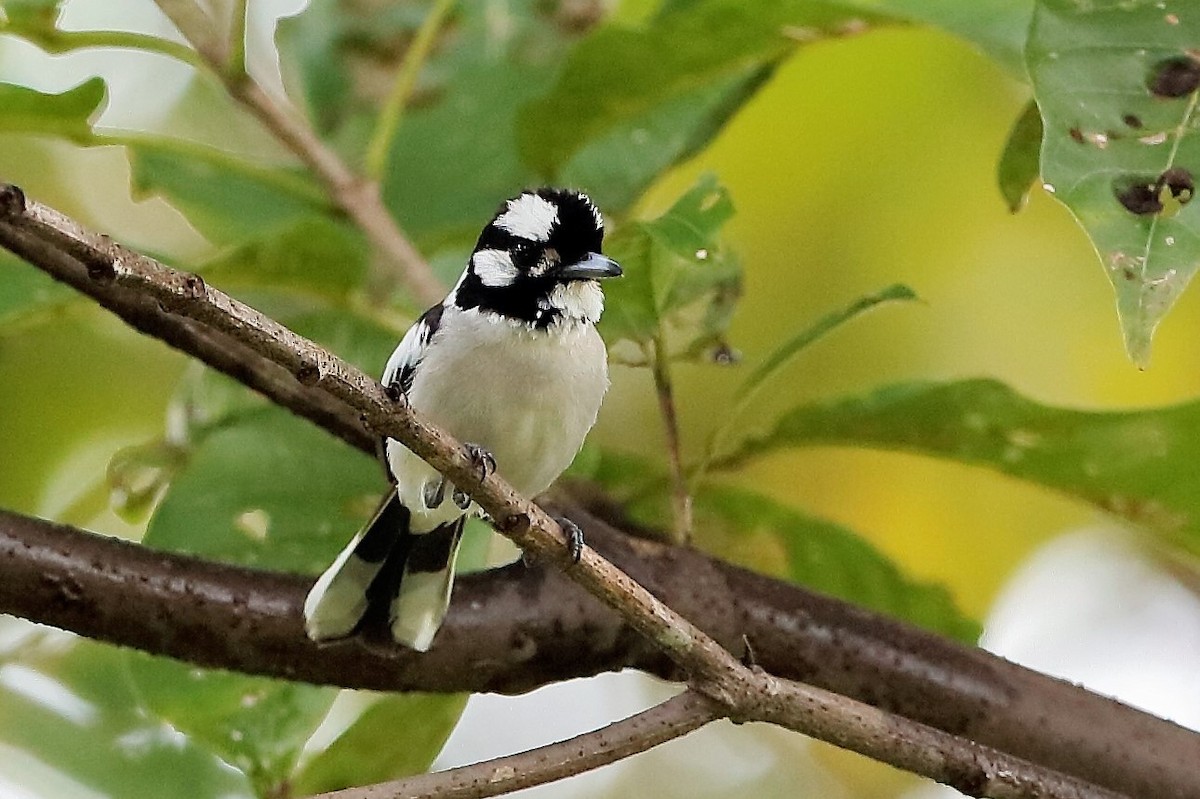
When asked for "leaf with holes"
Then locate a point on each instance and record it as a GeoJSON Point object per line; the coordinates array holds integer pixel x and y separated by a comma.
{"type": "Point", "coordinates": [1116, 82]}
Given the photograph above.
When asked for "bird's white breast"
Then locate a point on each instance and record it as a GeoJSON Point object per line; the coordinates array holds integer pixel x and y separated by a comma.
{"type": "Point", "coordinates": [528, 396]}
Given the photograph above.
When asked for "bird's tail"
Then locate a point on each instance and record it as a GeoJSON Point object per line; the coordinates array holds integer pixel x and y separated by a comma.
{"type": "Point", "coordinates": [339, 599]}
{"type": "Point", "coordinates": [421, 599]}
{"type": "Point", "coordinates": [387, 568]}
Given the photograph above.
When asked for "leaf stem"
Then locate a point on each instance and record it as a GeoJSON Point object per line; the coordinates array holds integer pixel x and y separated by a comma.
{"type": "Point", "coordinates": [406, 78]}
{"type": "Point", "coordinates": [60, 41]}
{"type": "Point", "coordinates": [681, 496]}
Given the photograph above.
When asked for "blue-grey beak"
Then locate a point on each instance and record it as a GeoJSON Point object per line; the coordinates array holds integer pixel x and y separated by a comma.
{"type": "Point", "coordinates": [592, 266]}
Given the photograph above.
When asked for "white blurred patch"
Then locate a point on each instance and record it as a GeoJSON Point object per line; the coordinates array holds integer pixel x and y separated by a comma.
{"type": "Point", "coordinates": [494, 268]}
{"type": "Point", "coordinates": [718, 761]}
{"type": "Point", "coordinates": [529, 217]}
{"type": "Point", "coordinates": [1092, 608]}
{"type": "Point", "coordinates": [48, 693]}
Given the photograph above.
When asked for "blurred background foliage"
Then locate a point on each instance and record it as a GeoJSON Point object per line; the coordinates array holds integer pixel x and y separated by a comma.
{"type": "Point", "coordinates": [767, 168]}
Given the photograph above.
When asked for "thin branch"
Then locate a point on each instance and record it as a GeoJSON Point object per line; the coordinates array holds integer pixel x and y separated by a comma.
{"type": "Point", "coordinates": [742, 692]}
{"type": "Point", "coordinates": [664, 722]}
{"type": "Point", "coordinates": [681, 495]}
{"type": "Point", "coordinates": [356, 196]}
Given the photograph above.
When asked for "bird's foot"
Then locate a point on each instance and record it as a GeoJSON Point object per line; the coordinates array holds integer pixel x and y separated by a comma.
{"type": "Point", "coordinates": [482, 459]}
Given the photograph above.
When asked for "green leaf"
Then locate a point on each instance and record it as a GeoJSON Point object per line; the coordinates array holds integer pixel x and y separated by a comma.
{"type": "Point", "coordinates": [679, 281]}
{"type": "Point", "coordinates": [816, 553]}
{"type": "Point", "coordinates": [1120, 157]}
{"type": "Point", "coordinates": [826, 324]}
{"type": "Point", "coordinates": [270, 490]}
{"type": "Point", "coordinates": [1019, 166]}
{"type": "Point", "coordinates": [257, 725]}
{"type": "Point", "coordinates": [455, 154]}
{"type": "Point", "coordinates": [623, 160]}
{"type": "Point", "coordinates": [17, 15]}
{"type": "Point", "coordinates": [997, 28]}
{"type": "Point", "coordinates": [267, 489]}
{"type": "Point", "coordinates": [317, 255]}
{"type": "Point", "coordinates": [397, 736]}
{"type": "Point", "coordinates": [1137, 465]}
{"type": "Point", "coordinates": [69, 707]}
{"type": "Point", "coordinates": [712, 54]}
{"type": "Point", "coordinates": [830, 559]}
{"type": "Point", "coordinates": [26, 291]}
{"type": "Point", "coordinates": [226, 198]}
{"type": "Point", "coordinates": [339, 57]}
{"type": "Point", "coordinates": [69, 114]}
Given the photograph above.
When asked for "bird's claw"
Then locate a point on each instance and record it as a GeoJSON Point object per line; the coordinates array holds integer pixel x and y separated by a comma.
{"type": "Point", "coordinates": [483, 460]}
{"type": "Point", "coordinates": [574, 537]}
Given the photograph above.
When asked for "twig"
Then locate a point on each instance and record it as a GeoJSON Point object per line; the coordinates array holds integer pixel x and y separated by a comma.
{"type": "Point", "coordinates": [356, 196]}
{"type": "Point", "coordinates": [681, 495]}
{"type": "Point", "coordinates": [741, 692]}
{"type": "Point", "coordinates": [664, 722]}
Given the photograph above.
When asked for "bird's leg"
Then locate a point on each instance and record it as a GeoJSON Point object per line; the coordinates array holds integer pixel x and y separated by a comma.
{"type": "Point", "coordinates": [574, 537]}
{"type": "Point", "coordinates": [461, 499]}
{"type": "Point", "coordinates": [434, 492]}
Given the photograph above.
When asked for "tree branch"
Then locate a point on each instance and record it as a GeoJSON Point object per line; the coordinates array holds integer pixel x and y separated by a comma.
{"type": "Point", "coordinates": [664, 722]}
{"type": "Point", "coordinates": [34, 231]}
{"type": "Point", "coordinates": [356, 196]}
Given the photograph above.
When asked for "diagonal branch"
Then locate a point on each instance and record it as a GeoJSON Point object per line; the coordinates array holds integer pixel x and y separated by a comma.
{"type": "Point", "coordinates": [358, 197]}
{"type": "Point", "coordinates": [32, 230]}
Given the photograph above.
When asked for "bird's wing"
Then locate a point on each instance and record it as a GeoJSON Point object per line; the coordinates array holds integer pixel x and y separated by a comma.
{"type": "Point", "coordinates": [408, 353]}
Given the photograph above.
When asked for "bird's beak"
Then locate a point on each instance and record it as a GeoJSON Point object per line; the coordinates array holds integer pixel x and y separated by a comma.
{"type": "Point", "coordinates": [592, 266]}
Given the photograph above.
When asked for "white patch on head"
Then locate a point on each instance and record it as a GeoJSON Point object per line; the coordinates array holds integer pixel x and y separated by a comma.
{"type": "Point", "coordinates": [577, 300]}
{"type": "Point", "coordinates": [529, 217]}
{"type": "Point", "coordinates": [595, 211]}
{"type": "Point", "coordinates": [494, 268]}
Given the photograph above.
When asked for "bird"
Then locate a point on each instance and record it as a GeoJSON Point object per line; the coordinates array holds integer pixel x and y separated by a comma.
{"type": "Point", "coordinates": [511, 363]}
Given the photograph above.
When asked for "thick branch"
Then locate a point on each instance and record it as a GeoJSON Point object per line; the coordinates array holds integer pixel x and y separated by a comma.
{"type": "Point", "coordinates": [514, 629]}
{"type": "Point", "coordinates": [676, 717]}
{"type": "Point", "coordinates": [709, 667]}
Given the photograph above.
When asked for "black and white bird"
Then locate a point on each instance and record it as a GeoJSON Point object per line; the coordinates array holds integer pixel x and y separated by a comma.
{"type": "Point", "coordinates": [510, 362]}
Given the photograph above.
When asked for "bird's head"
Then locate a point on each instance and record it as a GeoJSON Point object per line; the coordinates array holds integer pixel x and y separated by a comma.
{"type": "Point", "coordinates": [538, 261]}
